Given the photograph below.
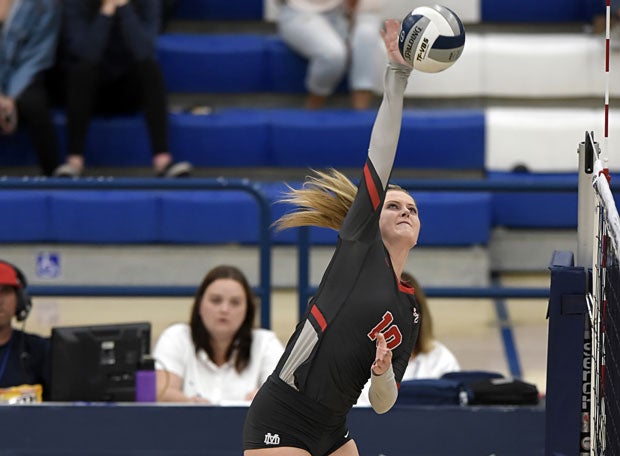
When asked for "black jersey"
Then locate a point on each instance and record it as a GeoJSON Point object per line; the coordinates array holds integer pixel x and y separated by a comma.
{"type": "Point", "coordinates": [25, 360]}
{"type": "Point", "coordinates": [330, 354]}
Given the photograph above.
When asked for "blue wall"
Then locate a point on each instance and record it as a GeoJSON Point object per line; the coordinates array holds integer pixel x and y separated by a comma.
{"type": "Point", "coordinates": [136, 430]}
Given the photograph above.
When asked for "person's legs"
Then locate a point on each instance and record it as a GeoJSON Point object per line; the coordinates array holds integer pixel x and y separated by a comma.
{"type": "Point", "coordinates": [142, 89]}
{"type": "Point", "coordinates": [33, 108]}
{"type": "Point", "coordinates": [145, 81]}
{"type": "Point", "coordinates": [82, 84]}
{"type": "Point", "coordinates": [315, 38]}
{"type": "Point", "coordinates": [366, 51]}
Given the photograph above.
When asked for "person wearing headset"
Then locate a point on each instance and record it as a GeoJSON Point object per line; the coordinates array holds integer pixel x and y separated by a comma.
{"type": "Point", "coordinates": [24, 357]}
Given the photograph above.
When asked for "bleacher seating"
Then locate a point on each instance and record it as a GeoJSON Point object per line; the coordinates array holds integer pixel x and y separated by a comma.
{"type": "Point", "coordinates": [490, 140]}
{"type": "Point", "coordinates": [203, 217]}
{"type": "Point", "coordinates": [237, 137]}
{"type": "Point", "coordinates": [528, 11]}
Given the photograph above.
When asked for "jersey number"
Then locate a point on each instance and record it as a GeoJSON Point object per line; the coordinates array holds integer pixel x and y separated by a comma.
{"type": "Point", "coordinates": [393, 336]}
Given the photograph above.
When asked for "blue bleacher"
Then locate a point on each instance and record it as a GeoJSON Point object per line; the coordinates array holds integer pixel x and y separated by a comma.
{"type": "Point", "coordinates": [214, 63]}
{"type": "Point", "coordinates": [220, 9]}
{"type": "Point", "coordinates": [534, 209]}
{"type": "Point", "coordinates": [230, 63]}
{"type": "Point", "coordinates": [449, 139]}
{"type": "Point", "coordinates": [531, 11]}
{"type": "Point", "coordinates": [534, 11]}
{"type": "Point", "coordinates": [203, 217]}
{"type": "Point", "coordinates": [277, 138]}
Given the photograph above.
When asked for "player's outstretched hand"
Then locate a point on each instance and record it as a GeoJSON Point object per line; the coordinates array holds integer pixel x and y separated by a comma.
{"type": "Point", "coordinates": [389, 33]}
{"type": "Point", "coordinates": [383, 358]}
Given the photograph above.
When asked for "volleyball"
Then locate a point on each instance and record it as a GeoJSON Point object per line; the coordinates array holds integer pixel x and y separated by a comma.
{"type": "Point", "coordinates": [431, 38]}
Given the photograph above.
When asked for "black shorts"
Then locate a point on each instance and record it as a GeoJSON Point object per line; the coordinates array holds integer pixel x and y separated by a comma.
{"type": "Point", "coordinates": [280, 416]}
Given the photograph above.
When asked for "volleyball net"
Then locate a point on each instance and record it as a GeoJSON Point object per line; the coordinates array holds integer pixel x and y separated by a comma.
{"type": "Point", "coordinates": [601, 429]}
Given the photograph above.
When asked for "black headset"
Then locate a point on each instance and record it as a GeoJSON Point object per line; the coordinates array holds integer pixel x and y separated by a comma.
{"type": "Point", "coordinates": [24, 303]}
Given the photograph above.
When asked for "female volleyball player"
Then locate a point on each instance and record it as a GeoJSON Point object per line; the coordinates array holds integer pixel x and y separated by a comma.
{"type": "Point", "coordinates": [362, 322]}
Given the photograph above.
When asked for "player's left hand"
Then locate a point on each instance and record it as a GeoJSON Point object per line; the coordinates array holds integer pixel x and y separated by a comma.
{"type": "Point", "coordinates": [383, 356]}
{"type": "Point", "coordinates": [389, 33]}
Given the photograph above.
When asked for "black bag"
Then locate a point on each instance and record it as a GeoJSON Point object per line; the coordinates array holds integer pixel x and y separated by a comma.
{"type": "Point", "coordinates": [503, 391]}
{"type": "Point", "coordinates": [492, 388]}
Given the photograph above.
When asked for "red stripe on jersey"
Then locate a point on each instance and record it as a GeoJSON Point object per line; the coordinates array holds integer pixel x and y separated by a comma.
{"type": "Point", "coordinates": [372, 188]}
{"type": "Point", "coordinates": [318, 316]}
{"type": "Point", "coordinates": [405, 288]}
{"type": "Point", "coordinates": [397, 385]}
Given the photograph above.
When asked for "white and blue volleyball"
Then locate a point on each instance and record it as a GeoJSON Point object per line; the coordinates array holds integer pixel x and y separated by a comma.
{"type": "Point", "coordinates": [431, 38]}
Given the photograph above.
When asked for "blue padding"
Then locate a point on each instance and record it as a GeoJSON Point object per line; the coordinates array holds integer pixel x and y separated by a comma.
{"type": "Point", "coordinates": [535, 11]}
{"type": "Point", "coordinates": [286, 70]}
{"type": "Point", "coordinates": [565, 358]}
{"type": "Point", "coordinates": [275, 191]}
{"type": "Point", "coordinates": [214, 63]}
{"type": "Point", "coordinates": [336, 138]}
{"type": "Point", "coordinates": [229, 138]}
{"type": "Point", "coordinates": [26, 216]}
{"type": "Point", "coordinates": [220, 9]}
{"type": "Point", "coordinates": [104, 217]}
{"type": "Point", "coordinates": [206, 217]}
{"type": "Point", "coordinates": [17, 150]}
{"type": "Point", "coordinates": [120, 140]}
{"type": "Point", "coordinates": [209, 217]}
{"type": "Point", "coordinates": [431, 391]}
{"type": "Point", "coordinates": [534, 209]}
{"type": "Point", "coordinates": [454, 219]}
{"type": "Point", "coordinates": [448, 219]}
{"type": "Point", "coordinates": [117, 141]}
{"type": "Point", "coordinates": [429, 139]}
{"type": "Point", "coordinates": [442, 139]}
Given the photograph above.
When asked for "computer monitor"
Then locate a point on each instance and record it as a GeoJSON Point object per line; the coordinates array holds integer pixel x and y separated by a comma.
{"type": "Point", "coordinates": [97, 363]}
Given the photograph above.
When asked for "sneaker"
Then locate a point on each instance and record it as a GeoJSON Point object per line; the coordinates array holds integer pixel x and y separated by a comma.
{"type": "Point", "coordinates": [67, 170]}
{"type": "Point", "coordinates": [180, 169]}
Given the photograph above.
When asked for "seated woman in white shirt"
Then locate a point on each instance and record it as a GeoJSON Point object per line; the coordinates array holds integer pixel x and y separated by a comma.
{"type": "Point", "coordinates": [219, 357]}
{"type": "Point", "coordinates": [430, 358]}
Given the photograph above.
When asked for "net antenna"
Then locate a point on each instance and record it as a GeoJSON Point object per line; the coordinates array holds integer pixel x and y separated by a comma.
{"type": "Point", "coordinates": [607, 47]}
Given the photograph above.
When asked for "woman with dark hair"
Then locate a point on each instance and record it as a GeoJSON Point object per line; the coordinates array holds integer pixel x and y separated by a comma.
{"type": "Point", "coordinates": [219, 356]}
{"type": "Point", "coordinates": [429, 358]}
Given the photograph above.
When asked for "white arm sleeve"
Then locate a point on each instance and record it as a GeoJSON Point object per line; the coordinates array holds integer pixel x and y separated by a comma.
{"type": "Point", "coordinates": [383, 391]}
{"type": "Point", "coordinates": [386, 129]}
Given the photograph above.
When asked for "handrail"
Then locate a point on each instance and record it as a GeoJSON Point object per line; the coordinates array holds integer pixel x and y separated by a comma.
{"type": "Point", "coordinates": [491, 292]}
{"type": "Point", "coordinates": [121, 183]}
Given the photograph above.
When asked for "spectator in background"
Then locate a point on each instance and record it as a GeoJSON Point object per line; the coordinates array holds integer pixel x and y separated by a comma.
{"type": "Point", "coordinates": [217, 357]}
{"type": "Point", "coordinates": [24, 357]}
{"type": "Point", "coordinates": [335, 36]}
{"type": "Point", "coordinates": [108, 65]}
{"type": "Point", "coordinates": [28, 36]}
{"type": "Point", "coordinates": [429, 358]}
